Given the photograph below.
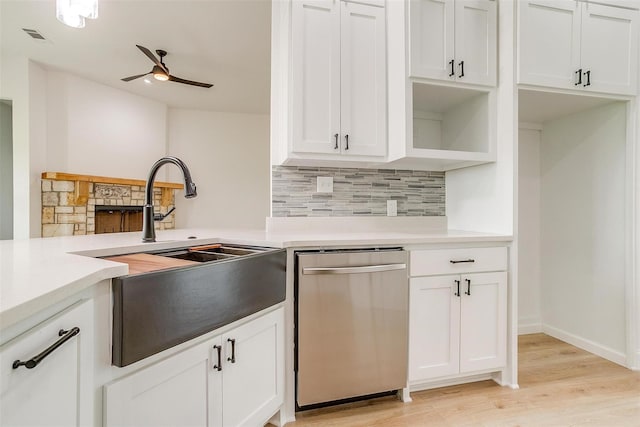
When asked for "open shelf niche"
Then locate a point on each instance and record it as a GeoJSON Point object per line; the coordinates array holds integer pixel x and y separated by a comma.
{"type": "Point", "coordinates": [450, 128]}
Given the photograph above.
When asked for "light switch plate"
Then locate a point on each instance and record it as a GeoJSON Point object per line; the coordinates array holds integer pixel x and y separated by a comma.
{"type": "Point", "coordinates": [392, 208]}
{"type": "Point", "coordinates": [325, 184]}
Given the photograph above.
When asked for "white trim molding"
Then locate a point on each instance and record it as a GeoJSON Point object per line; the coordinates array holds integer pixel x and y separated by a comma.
{"type": "Point", "coordinates": [529, 325]}
{"type": "Point", "coordinates": [587, 345]}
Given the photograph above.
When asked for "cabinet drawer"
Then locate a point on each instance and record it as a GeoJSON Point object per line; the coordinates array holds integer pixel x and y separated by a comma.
{"type": "Point", "coordinates": [58, 390]}
{"type": "Point", "coordinates": [452, 261]}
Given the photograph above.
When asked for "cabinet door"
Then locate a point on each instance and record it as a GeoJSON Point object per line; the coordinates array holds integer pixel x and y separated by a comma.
{"type": "Point", "coordinates": [364, 80]}
{"type": "Point", "coordinates": [549, 42]}
{"type": "Point", "coordinates": [476, 41]}
{"type": "Point", "coordinates": [253, 373]}
{"type": "Point", "coordinates": [610, 48]}
{"type": "Point", "coordinates": [431, 38]}
{"type": "Point", "coordinates": [434, 322]}
{"type": "Point", "coordinates": [483, 321]}
{"type": "Point", "coordinates": [58, 391]}
{"type": "Point", "coordinates": [178, 391]}
{"type": "Point", "coordinates": [315, 37]}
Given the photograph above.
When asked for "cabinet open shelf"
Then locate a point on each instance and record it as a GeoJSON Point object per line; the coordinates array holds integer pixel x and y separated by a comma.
{"type": "Point", "coordinates": [450, 127]}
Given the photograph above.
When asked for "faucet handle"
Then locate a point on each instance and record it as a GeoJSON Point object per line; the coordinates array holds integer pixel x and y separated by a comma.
{"type": "Point", "coordinates": [160, 217]}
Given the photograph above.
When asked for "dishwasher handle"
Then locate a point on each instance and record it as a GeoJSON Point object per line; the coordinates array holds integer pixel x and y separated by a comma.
{"type": "Point", "coordinates": [354, 270]}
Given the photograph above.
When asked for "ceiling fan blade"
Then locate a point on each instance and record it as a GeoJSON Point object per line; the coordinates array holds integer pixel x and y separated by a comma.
{"type": "Point", "coordinates": [128, 79]}
{"type": "Point", "coordinates": [153, 58]}
{"type": "Point", "coordinates": [188, 82]}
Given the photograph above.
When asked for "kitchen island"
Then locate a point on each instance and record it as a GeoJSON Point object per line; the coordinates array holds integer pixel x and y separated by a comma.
{"type": "Point", "coordinates": [42, 277]}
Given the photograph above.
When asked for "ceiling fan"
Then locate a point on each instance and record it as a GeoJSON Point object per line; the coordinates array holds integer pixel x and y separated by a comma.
{"type": "Point", "coordinates": [160, 70]}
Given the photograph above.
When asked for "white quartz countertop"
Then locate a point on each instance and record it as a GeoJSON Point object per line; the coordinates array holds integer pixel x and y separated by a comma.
{"type": "Point", "coordinates": [38, 273]}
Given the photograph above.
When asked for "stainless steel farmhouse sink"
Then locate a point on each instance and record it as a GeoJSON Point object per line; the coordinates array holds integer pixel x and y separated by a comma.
{"type": "Point", "coordinates": [212, 253]}
{"type": "Point", "coordinates": [156, 310]}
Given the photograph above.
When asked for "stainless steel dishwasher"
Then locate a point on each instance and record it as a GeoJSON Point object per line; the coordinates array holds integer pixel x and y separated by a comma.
{"type": "Point", "coordinates": [352, 324]}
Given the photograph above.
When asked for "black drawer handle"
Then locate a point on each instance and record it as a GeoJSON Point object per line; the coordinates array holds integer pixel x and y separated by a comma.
{"type": "Point", "coordinates": [218, 367]}
{"type": "Point", "coordinates": [453, 261]}
{"type": "Point", "coordinates": [457, 292]}
{"type": "Point", "coordinates": [468, 286]}
{"type": "Point", "coordinates": [232, 359]}
{"type": "Point", "coordinates": [35, 360]}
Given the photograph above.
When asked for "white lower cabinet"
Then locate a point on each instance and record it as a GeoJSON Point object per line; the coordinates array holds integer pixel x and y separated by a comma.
{"type": "Point", "coordinates": [57, 391]}
{"type": "Point", "coordinates": [457, 322]}
{"type": "Point", "coordinates": [253, 385]}
{"type": "Point", "coordinates": [234, 379]}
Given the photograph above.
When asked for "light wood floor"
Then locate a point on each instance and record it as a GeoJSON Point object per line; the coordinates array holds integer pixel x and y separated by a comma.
{"type": "Point", "coordinates": [560, 385]}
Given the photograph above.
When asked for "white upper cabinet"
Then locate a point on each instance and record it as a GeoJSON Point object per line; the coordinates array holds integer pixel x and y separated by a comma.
{"type": "Point", "coordinates": [363, 80]}
{"type": "Point", "coordinates": [432, 38]}
{"type": "Point", "coordinates": [454, 40]}
{"type": "Point", "coordinates": [316, 72]}
{"type": "Point", "coordinates": [338, 78]}
{"type": "Point", "coordinates": [578, 45]}
{"type": "Point", "coordinates": [609, 48]}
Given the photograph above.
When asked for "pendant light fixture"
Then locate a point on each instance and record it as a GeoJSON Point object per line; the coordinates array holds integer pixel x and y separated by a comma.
{"type": "Point", "coordinates": [74, 12]}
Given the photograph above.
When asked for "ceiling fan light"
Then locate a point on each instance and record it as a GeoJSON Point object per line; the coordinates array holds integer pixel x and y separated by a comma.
{"type": "Point", "coordinates": [159, 74]}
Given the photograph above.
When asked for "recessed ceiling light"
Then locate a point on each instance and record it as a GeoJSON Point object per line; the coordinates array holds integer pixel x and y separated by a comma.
{"type": "Point", "coordinates": [73, 12]}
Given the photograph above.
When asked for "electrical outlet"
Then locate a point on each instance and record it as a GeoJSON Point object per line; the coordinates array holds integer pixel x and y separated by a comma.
{"type": "Point", "coordinates": [392, 208]}
{"type": "Point", "coordinates": [325, 184]}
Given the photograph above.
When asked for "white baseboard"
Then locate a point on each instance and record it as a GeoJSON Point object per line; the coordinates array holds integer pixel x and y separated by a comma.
{"type": "Point", "coordinates": [588, 345]}
{"type": "Point", "coordinates": [529, 327]}
{"type": "Point", "coordinates": [453, 380]}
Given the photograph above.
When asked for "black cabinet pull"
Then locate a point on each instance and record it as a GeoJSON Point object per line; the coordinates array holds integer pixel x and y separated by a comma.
{"type": "Point", "coordinates": [588, 74]}
{"type": "Point", "coordinates": [232, 359]}
{"type": "Point", "coordinates": [457, 292]}
{"type": "Point", "coordinates": [468, 286]}
{"type": "Point", "coordinates": [346, 139]}
{"type": "Point", "coordinates": [579, 74]}
{"type": "Point", "coordinates": [453, 71]}
{"type": "Point", "coordinates": [336, 137]}
{"type": "Point", "coordinates": [458, 261]}
{"type": "Point", "coordinates": [35, 360]}
{"type": "Point", "coordinates": [218, 366]}
{"type": "Point", "coordinates": [461, 69]}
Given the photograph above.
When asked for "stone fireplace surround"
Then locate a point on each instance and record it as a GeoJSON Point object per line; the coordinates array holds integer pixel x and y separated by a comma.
{"type": "Point", "coordinates": [69, 201]}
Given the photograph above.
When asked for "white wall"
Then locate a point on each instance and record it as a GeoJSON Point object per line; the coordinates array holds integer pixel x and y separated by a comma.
{"type": "Point", "coordinates": [15, 86]}
{"type": "Point", "coordinates": [38, 149]}
{"type": "Point", "coordinates": [529, 317]}
{"type": "Point", "coordinates": [228, 157]}
{"type": "Point", "coordinates": [64, 123]}
{"type": "Point", "coordinates": [583, 234]}
{"type": "Point", "coordinates": [98, 130]}
{"type": "Point", "coordinates": [6, 172]}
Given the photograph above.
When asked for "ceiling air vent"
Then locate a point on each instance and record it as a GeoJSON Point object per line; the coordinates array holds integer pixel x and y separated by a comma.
{"type": "Point", "coordinates": [34, 34]}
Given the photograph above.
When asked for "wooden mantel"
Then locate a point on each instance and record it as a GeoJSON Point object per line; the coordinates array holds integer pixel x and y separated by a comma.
{"type": "Point", "coordinates": [82, 185]}
{"type": "Point", "coordinates": [62, 176]}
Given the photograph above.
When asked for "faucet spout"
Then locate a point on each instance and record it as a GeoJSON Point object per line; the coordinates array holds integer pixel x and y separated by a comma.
{"type": "Point", "coordinates": [148, 229]}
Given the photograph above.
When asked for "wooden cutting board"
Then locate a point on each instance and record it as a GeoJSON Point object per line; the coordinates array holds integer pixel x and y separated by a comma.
{"type": "Point", "coordinates": [143, 263]}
